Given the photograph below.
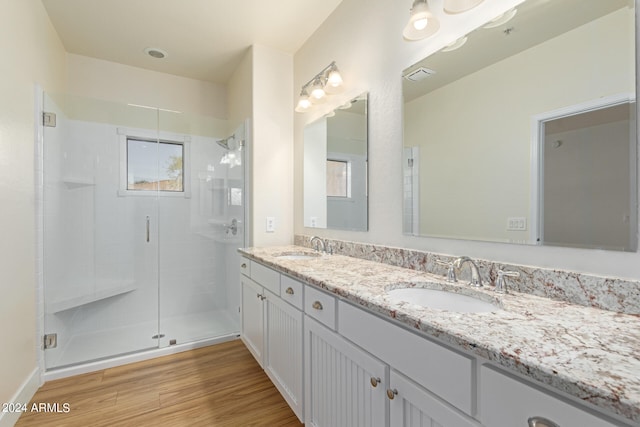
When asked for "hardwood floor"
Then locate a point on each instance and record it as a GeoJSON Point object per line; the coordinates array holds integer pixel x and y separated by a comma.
{"type": "Point", "coordinates": [220, 385]}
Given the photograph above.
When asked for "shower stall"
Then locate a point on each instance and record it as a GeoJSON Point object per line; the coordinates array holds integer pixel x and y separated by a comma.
{"type": "Point", "coordinates": [143, 210]}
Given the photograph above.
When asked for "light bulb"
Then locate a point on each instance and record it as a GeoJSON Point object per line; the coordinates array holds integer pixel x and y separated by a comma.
{"type": "Point", "coordinates": [420, 24]}
{"type": "Point", "coordinates": [334, 79]}
{"type": "Point", "coordinates": [317, 93]}
{"type": "Point", "coordinates": [303, 103]}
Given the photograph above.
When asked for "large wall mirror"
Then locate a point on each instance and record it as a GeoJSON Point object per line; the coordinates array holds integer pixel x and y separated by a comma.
{"type": "Point", "coordinates": [526, 133]}
{"type": "Point", "coordinates": [335, 168]}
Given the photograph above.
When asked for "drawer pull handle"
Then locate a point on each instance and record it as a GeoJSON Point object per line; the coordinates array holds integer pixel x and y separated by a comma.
{"type": "Point", "coordinates": [317, 305]}
{"type": "Point", "coordinates": [391, 393]}
{"type": "Point", "coordinates": [243, 265]}
{"type": "Point", "coordinates": [541, 422]}
{"type": "Point", "coordinates": [375, 381]}
{"type": "Point", "coordinates": [289, 290]}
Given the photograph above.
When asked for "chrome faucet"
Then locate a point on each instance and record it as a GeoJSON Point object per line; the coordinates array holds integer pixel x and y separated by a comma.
{"type": "Point", "coordinates": [320, 247]}
{"type": "Point", "coordinates": [475, 271]}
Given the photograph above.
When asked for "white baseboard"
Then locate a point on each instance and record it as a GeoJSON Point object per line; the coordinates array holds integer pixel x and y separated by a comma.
{"type": "Point", "coordinates": [22, 395]}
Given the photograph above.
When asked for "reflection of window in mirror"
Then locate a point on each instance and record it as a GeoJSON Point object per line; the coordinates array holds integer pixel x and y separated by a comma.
{"type": "Point", "coordinates": [338, 182]}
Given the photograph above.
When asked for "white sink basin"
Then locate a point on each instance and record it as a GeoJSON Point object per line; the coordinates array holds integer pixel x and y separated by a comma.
{"type": "Point", "coordinates": [294, 256]}
{"type": "Point", "coordinates": [441, 300]}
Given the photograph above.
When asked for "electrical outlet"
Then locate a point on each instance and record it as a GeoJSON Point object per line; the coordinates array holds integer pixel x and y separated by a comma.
{"type": "Point", "coordinates": [516, 223]}
{"type": "Point", "coordinates": [313, 221]}
{"type": "Point", "coordinates": [270, 226]}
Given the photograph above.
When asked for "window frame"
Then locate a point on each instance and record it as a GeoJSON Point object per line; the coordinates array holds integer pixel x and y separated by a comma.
{"type": "Point", "coordinates": [342, 159]}
{"type": "Point", "coordinates": [124, 135]}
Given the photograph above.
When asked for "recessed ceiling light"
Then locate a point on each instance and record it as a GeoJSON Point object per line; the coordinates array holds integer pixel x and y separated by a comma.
{"type": "Point", "coordinates": [155, 52]}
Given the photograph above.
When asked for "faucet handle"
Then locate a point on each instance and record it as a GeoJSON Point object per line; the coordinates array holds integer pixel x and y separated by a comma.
{"type": "Point", "coordinates": [451, 271]}
{"type": "Point", "coordinates": [501, 282]}
{"type": "Point", "coordinates": [328, 249]}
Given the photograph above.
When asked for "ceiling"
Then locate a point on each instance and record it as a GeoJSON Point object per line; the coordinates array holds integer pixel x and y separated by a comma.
{"type": "Point", "coordinates": [204, 39]}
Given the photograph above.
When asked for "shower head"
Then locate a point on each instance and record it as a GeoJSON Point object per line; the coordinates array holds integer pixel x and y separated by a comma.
{"type": "Point", "coordinates": [224, 143]}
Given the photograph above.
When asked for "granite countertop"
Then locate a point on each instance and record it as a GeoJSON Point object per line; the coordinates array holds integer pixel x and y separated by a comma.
{"type": "Point", "coordinates": [589, 353]}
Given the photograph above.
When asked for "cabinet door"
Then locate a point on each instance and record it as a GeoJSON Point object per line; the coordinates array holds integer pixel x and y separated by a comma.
{"type": "Point", "coordinates": [252, 328]}
{"type": "Point", "coordinates": [344, 385]}
{"type": "Point", "coordinates": [283, 353]}
{"type": "Point", "coordinates": [413, 406]}
{"type": "Point", "coordinates": [506, 401]}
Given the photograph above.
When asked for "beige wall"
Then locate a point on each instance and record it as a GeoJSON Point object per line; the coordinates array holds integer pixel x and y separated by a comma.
{"type": "Point", "coordinates": [31, 53]}
{"type": "Point", "coordinates": [110, 81]}
{"type": "Point", "coordinates": [365, 39]}
{"type": "Point", "coordinates": [272, 166]}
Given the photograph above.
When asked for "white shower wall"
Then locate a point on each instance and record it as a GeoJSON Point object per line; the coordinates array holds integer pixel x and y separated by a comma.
{"type": "Point", "coordinates": [95, 241]}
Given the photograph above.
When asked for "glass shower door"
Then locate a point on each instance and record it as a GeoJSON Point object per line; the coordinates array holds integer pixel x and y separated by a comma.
{"type": "Point", "coordinates": [100, 238]}
{"type": "Point", "coordinates": [201, 227]}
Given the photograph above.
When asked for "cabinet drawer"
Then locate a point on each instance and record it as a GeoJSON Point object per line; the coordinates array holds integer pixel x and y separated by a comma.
{"type": "Point", "coordinates": [266, 277]}
{"type": "Point", "coordinates": [442, 371]}
{"type": "Point", "coordinates": [291, 291]}
{"type": "Point", "coordinates": [320, 306]}
{"type": "Point", "coordinates": [245, 266]}
{"type": "Point", "coordinates": [506, 402]}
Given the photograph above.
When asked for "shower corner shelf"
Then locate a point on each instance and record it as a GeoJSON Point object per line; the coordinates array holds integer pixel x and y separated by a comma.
{"type": "Point", "coordinates": [77, 301]}
{"type": "Point", "coordinates": [74, 182]}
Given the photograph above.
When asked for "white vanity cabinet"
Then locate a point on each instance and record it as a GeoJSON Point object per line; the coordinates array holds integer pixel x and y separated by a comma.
{"type": "Point", "coordinates": [429, 384]}
{"type": "Point", "coordinates": [345, 386]}
{"type": "Point", "coordinates": [272, 329]}
{"type": "Point", "coordinates": [411, 405]}
{"type": "Point", "coordinates": [252, 319]}
{"type": "Point", "coordinates": [361, 369]}
{"type": "Point", "coordinates": [507, 402]}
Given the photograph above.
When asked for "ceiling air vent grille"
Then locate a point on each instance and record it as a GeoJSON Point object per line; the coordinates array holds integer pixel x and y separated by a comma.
{"type": "Point", "coordinates": [419, 74]}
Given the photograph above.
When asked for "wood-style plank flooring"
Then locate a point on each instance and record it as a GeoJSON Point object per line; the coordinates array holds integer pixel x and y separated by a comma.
{"type": "Point", "coordinates": [220, 385]}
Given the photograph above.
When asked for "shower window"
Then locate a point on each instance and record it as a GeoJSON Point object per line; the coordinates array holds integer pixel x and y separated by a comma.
{"type": "Point", "coordinates": [338, 178]}
{"type": "Point", "coordinates": [154, 165]}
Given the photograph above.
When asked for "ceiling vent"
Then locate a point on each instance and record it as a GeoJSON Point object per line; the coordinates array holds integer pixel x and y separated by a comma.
{"type": "Point", "coordinates": [419, 74]}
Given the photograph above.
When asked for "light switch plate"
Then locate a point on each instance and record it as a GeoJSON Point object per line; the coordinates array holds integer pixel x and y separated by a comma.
{"type": "Point", "coordinates": [270, 225]}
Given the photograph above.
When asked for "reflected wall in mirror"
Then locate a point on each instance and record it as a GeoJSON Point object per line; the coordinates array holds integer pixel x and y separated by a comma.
{"type": "Point", "coordinates": [335, 169]}
{"type": "Point", "coordinates": [480, 160]}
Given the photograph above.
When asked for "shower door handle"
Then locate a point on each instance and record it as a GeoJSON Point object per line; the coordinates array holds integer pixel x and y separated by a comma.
{"type": "Point", "coordinates": [148, 228]}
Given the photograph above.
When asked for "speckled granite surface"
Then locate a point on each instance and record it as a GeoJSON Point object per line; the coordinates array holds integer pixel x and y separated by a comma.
{"type": "Point", "coordinates": [589, 353]}
{"type": "Point", "coordinates": [607, 293]}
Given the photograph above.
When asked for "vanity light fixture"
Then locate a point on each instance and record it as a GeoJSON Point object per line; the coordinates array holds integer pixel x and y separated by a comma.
{"type": "Point", "coordinates": [422, 23]}
{"type": "Point", "coordinates": [326, 82]}
{"type": "Point", "coordinates": [459, 6]}
{"type": "Point", "coordinates": [502, 19]}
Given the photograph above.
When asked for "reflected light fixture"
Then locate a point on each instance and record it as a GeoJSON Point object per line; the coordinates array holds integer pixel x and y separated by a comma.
{"type": "Point", "coordinates": [455, 45]}
{"type": "Point", "coordinates": [326, 82]}
{"type": "Point", "coordinates": [422, 23]}
{"type": "Point", "coordinates": [459, 6]}
{"type": "Point", "coordinates": [501, 19]}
